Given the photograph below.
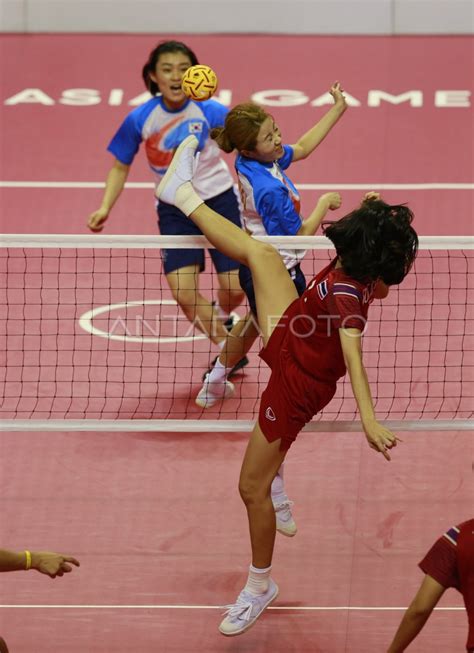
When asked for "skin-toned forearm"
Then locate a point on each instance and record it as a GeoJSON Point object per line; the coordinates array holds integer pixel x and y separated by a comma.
{"type": "Point", "coordinates": [46, 562]}
{"type": "Point", "coordinates": [312, 138]}
{"type": "Point", "coordinates": [12, 561]}
{"type": "Point", "coordinates": [114, 185]}
{"type": "Point", "coordinates": [379, 437]}
{"type": "Point", "coordinates": [417, 614]}
{"type": "Point", "coordinates": [311, 224]}
{"type": "Point", "coordinates": [361, 389]}
{"type": "Point", "coordinates": [412, 622]}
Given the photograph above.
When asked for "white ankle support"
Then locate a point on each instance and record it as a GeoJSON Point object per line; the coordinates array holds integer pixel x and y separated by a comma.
{"type": "Point", "coordinates": [187, 200]}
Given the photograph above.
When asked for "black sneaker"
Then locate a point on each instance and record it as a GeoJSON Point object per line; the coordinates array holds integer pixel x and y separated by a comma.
{"type": "Point", "coordinates": [231, 320]}
{"type": "Point", "coordinates": [229, 323]}
{"type": "Point", "coordinates": [238, 366]}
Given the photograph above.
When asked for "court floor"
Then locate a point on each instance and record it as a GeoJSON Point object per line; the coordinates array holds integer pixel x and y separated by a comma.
{"type": "Point", "coordinates": [155, 518]}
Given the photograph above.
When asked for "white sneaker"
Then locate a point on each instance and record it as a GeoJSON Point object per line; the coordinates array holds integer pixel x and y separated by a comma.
{"type": "Point", "coordinates": [244, 613]}
{"type": "Point", "coordinates": [175, 187]}
{"type": "Point", "coordinates": [212, 392]}
{"type": "Point", "coordinates": [285, 524]}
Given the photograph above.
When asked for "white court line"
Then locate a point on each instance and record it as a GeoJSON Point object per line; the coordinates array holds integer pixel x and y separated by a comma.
{"type": "Point", "coordinates": [215, 607]}
{"type": "Point", "coordinates": [85, 322]}
{"type": "Point", "coordinates": [220, 425]}
{"type": "Point", "coordinates": [140, 185]}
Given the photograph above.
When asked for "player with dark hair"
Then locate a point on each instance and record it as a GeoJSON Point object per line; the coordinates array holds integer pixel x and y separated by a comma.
{"type": "Point", "coordinates": [270, 206]}
{"type": "Point", "coordinates": [317, 338]}
{"type": "Point", "coordinates": [161, 124]}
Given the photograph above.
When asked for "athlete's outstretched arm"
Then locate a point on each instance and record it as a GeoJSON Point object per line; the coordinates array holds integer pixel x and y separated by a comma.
{"type": "Point", "coordinates": [417, 614]}
{"type": "Point", "coordinates": [113, 187]}
{"type": "Point", "coordinates": [312, 138]}
{"type": "Point", "coordinates": [379, 437]}
{"type": "Point", "coordinates": [46, 562]}
{"type": "Point", "coordinates": [325, 202]}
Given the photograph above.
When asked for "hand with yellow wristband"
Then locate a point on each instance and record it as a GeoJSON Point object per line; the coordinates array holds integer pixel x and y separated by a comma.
{"type": "Point", "coordinates": [52, 564]}
{"type": "Point", "coordinates": [46, 562]}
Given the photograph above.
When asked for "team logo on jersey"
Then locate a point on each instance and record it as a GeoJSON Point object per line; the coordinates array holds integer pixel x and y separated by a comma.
{"type": "Point", "coordinates": [269, 414]}
{"type": "Point", "coordinates": [161, 145]}
{"type": "Point", "coordinates": [159, 156]}
{"type": "Point", "coordinates": [322, 289]}
{"type": "Point", "coordinates": [195, 127]}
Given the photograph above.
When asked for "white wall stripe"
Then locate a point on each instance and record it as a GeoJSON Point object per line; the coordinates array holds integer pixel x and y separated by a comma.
{"type": "Point", "coordinates": [212, 607]}
{"type": "Point", "coordinates": [330, 186]}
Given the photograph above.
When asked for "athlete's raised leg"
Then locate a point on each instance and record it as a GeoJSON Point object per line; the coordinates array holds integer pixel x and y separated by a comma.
{"type": "Point", "coordinates": [274, 289]}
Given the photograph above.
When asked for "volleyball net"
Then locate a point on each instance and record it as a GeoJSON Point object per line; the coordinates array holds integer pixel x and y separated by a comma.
{"type": "Point", "coordinates": [92, 338]}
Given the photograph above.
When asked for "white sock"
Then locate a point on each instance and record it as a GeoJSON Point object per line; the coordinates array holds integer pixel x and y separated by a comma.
{"type": "Point", "coordinates": [219, 373]}
{"type": "Point", "coordinates": [278, 487]}
{"type": "Point", "coordinates": [257, 582]}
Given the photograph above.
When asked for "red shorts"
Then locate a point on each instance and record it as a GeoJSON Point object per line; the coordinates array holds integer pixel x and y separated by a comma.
{"type": "Point", "coordinates": [292, 396]}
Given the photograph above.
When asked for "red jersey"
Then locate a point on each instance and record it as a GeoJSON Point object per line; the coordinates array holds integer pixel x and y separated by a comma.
{"type": "Point", "coordinates": [331, 301]}
{"type": "Point", "coordinates": [305, 355]}
{"type": "Point", "coordinates": [450, 561]}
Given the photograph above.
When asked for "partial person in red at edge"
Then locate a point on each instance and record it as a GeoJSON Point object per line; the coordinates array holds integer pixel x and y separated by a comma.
{"type": "Point", "coordinates": [46, 562]}
{"type": "Point", "coordinates": [317, 338]}
{"type": "Point", "coordinates": [449, 563]}
{"type": "Point", "coordinates": [161, 123]}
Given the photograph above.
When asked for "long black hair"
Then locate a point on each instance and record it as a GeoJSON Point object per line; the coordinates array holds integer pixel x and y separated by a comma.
{"type": "Point", "coordinates": [376, 241]}
{"type": "Point", "coordinates": [164, 47]}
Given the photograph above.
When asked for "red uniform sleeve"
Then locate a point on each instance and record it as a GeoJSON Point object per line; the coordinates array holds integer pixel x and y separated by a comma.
{"type": "Point", "coordinates": [345, 308]}
{"type": "Point", "coordinates": [441, 564]}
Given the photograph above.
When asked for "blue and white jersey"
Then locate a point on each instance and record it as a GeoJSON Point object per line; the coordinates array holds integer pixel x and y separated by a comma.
{"type": "Point", "coordinates": [271, 203]}
{"type": "Point", "coordinates": [163, 129]}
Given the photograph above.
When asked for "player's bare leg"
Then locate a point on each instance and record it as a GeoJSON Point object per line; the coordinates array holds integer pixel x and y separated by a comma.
{"type": "Point", "coordinates": [239, 341]}
{"type": "Point", "coordinates": [261, 463]}
{"type": "Point", "coordinates": [229, 294]}
{"type": "Point", "coordinates": [184, 285]}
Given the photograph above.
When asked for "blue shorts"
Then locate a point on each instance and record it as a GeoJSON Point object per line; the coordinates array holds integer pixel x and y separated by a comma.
{"type": "Point", "coordinates": [246, 283]}
{"type": "Point", "coordinates": [172, 222]}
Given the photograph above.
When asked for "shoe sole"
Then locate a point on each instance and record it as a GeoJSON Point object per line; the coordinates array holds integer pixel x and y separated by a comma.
{"type": "Point", "coordinates": [244, 630]}
{"type": "Point", "coordinates": [285, 533]}
{"type": "Point", "coordinates": [205, 404]}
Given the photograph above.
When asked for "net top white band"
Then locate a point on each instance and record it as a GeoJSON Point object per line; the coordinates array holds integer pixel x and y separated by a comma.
{"type": "Point", "coordinates": [71, 241]}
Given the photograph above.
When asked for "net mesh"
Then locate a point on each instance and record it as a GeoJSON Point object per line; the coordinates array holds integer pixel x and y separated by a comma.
{"type": "Point", "coordinates": [93, 333]}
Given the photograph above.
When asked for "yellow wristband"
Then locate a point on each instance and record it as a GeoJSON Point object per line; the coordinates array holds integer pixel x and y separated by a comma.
{"type": "Point", "coordinates": [28, 560]}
